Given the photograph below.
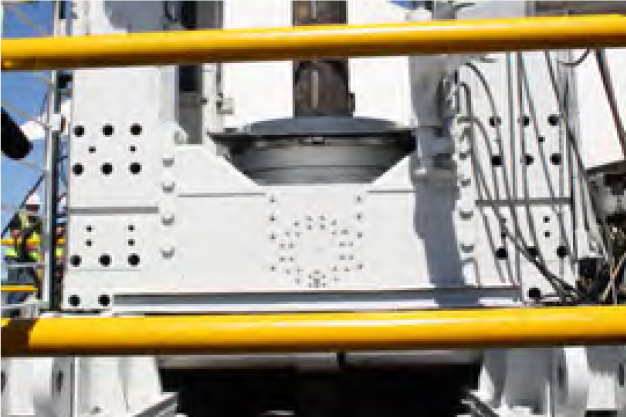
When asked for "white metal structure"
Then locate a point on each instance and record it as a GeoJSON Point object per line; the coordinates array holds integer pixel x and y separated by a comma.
{"type": "Point", "coordinates": [168, 216]}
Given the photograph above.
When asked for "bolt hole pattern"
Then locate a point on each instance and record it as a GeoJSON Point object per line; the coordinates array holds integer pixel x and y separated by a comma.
{"type": "Point", "coordinates": [107, 130]}
{"type": "Point", "coordinates": [133, 259]}
{"type": "Point", "coordinates": [556, 159]}
{"type": "Point", "coordinates": [135, 168]}
{"type": "Point", "coordinates": [105, 259]}
{"type": "Point", "coordinates": [74, 300]}
{"type": "Point", "coordinates": [136, 129]}
{"type": "Point", "coordinates": [79, 130]}
{"type": "Point", "coordinates": [534, 293]}
{"type": "Point", "coordinates": [78, 169]}
{"type": "Point", "coordinates": [104, 300]}
{"type": "Point", "coordinates": [553, 119]}
{"type": "Point", "coordinates": [107, 168]}
{"type": "Point", "coordinates": [502, 253]}
{"type": "Point", "coordinates": [75, 260]}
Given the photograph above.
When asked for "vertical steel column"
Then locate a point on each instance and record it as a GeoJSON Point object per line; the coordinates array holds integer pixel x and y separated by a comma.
{"type": "Point", "coordinates": [321, 87]}
{"type": "Point", "coordinates": [48, 289]}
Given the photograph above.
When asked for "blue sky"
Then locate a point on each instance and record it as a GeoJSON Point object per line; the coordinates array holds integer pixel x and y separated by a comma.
{"type": "Point", "coordinates": [22, 90]}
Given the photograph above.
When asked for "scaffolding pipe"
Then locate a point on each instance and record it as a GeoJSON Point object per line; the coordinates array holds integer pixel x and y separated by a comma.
{"type": "Point", "coordinates": [308, 42]}
{"type": "Point", "coordinates": [18, 288]}
{"type": "Point", "coordinates": [32, 242]}
{"type": "Point", "coordinates": [477, 328]}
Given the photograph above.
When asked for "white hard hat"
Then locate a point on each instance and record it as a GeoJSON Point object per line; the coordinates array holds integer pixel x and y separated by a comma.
{"type": "Point", "coordinates": [33, 200]}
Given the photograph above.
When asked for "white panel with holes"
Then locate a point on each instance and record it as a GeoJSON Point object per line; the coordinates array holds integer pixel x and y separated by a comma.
{"type": "Point", "coordinates": [157, 224]}
{"type": "Point", "coordinates": [114, 149]}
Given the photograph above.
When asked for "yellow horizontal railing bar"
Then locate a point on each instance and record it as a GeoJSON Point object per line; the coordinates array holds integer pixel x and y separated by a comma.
{"type": "Point", "coordinates": [477, 328]}
{"type": "Point", "coordinates": [30, 242]}
{"type": "Point", "coordinates": [307, 42]}
{"type": "Point", "coordinates": [18, 288]}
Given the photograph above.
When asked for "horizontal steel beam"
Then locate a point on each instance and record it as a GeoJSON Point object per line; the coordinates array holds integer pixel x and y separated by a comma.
{"type": "Point", "coordinates": [478, 328]}
{"type": "Point", "coordinates": [307, 42]}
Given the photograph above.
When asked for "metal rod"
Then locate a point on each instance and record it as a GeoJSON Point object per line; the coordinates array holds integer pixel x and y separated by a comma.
{"type": "Point", "coordinates": [309, 42]}
{"type": "Point", "coordinates": [25, 115]}
{"type": "Point", "coordinates": [18, 288]}
{"type": "Point", "coordinates": [15, 210]}
{"type": "Point", "coordinates": [477, 328]}
{"type": "Point", "coordinates": [30, 242]}
{"type": "Point", "coordinates": [18, 265]}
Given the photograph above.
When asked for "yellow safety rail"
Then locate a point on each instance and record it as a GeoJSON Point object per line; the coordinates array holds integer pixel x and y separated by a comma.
{"type": "Point", "coordinates": [478, 328]}
{"type": "Point", "coordinates": [18, 288]}
{"type": "Point", "coordinates": [30, 242]}
{"type": "Point", "coordinates": [306, 42]}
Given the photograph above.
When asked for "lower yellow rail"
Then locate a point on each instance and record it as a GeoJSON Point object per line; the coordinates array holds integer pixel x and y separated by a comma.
{"type": "Point", "coordinates": [307, 42]}
{"type": "Point", "coordinates": [479, 328]}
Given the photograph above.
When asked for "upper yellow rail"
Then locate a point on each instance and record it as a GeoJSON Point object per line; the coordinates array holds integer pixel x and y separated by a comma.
{"type": "Point", "coordinates": [307, 42]}
{"type": "Point", "coordinates": [478, 328]}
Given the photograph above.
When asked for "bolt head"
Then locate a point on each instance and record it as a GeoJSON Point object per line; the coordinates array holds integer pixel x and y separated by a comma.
{"type": "Point", "coordinates": [168, 160]}
{"type": "Point", "coordinates": [168, 184]}
{"type": "Point", "coordinates": [167, 218]}
{"type": "Point", "coordinates": [167, 250]}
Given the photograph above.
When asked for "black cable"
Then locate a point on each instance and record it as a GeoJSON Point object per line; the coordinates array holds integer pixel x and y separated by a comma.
{"type": "Point", "coordinates": [497, 121]}
{"type": "Point", "coordinates": [573, 145]}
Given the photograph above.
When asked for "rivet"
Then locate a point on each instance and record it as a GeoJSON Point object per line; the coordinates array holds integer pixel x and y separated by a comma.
{"type": "Point", "coordinates": [467, 247]}
{"type": "Point", "coordinates": [168, 184]}
{"type": "Point", "coordinates": [167, 251]}
{"type": "Point", "coordinates": [168, 160]}
{"type": "Point", "coordinates": [167, 218]}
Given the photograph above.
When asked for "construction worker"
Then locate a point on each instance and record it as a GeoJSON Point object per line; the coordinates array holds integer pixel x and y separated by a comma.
{"type": "Point", "coordinates": [25, 227]}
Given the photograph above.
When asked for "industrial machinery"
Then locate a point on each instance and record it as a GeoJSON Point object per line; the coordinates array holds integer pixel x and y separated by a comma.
{"type": "Point", "coordinates": [324, 208]}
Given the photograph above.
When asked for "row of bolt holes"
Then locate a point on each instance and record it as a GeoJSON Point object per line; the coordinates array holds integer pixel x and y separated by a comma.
{"type": "Point", "coordinates": [502, 253]}
{"type": "Point", "coordinates": [74, 300]}
{"type": "Point", "coordinates": [107, 168]}
{"type": "Point", "coordinates": [553, 120]}
{"type": "Point", "coordinates": [555, 159]}
{"type": "Point", "coordinates": [105, 259]}
{"type": "Point", "coordinates": [107, 130]}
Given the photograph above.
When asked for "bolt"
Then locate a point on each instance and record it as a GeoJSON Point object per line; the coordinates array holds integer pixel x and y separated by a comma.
{"type": "Point", "coordinates": [168, 184]}
{"type": "Point", "coordinates": [167, 218]}
{"type": "Point", "coordinates": [167, 251]}
{"type": "Point", "coordinates": [168, 160]}
{"type": "Point", "coordinates": [467, 246]}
